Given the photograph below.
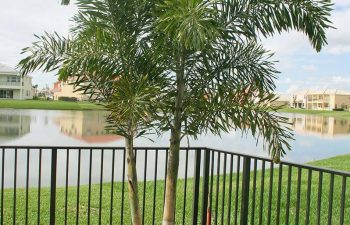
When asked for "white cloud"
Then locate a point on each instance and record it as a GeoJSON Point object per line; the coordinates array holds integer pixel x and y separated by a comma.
{"type": "Point", "coordinates": [20, 20]}
{"type": "Point", "coordinates": [309, 68]}
{"type": "Point", "coordinates": [338, 39]}
{"type": "Point", "coordinates": [341, 3]}
{"type": "Point", "coordinates": [320, 83]}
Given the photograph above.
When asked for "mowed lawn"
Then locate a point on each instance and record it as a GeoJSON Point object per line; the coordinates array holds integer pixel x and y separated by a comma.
{"type": "Point", "coordinates": [223, 206]}
{"type": "Point", "coordinates": [338, 114]}
{"type": "Point", "coordinates": [39, 104]}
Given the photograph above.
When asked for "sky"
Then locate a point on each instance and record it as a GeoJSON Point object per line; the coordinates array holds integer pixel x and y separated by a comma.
{"type": "Point", "coordinates": [300, 65]}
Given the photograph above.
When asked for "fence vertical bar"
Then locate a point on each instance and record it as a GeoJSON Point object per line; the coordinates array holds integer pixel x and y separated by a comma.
{"type": "Point", "coordinates": [185, 190]}
{"type": "Point", "coordinates": [155, 187]}
{"type": "Point", "coordinates": [230, 191]}
{"type": "Point", "coordinates": [205, 196]}
{"type": "Point", "coordinates": [123, 186]}
{"type": "Point", "coordinates": [15, 189]}
{"type": "Point", "coordinates": [319, 197]}
{"type": "Point", "coordinates": [245, 190]}
{"type": "Point", "coordinates": [262, 190]}
{"type": "Point", "coordinates": [330, 199]}
{"type": "Point", "coordinates": [197, 170]}
{"type": "Point", "coordinates": [2, 185]}
{"type": "Point", "coordinates": [237, 189]}
{"type": "Point", "coordinates": [217, 187]}
{"type": "Point", "coordinates": [254, 191]}
{"type": "Point", "coordinates": [112, 191]}
{"type": "Point", "coordinates": [101, 186]}
{"type": "Point", "coordinates": [78, 189]}
{"type": "Point", "coordinates": [66, 190]}
{"type": "Point", "coordinates": [89, 190]}
{"type": "Point", "coordinates": [297, 209]}
{"type": "Point", "coordinates": [270, 194]}
{"type": "Point", "coordinates": [308, 197]}
{"type": "Point", "coordinates": [279, 192]}
{"type": "Point", "coordinates": [27, 185]}
{"type": "Point", "coordinates": [39, 185]}
{"type": "Point", "coordinates": [342, 204]}
{"type": "Point", "coordinates": [144, 187]}
{"type": "Point", "coordinates": [288, 193]}
{"type": "Point", "coordinates": [223, 190]}
{"type": "Point", "coordinates": [53, 186]}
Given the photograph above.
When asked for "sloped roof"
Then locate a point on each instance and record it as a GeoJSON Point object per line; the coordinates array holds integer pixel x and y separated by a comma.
{"type": "Point", "coordinates": [284, 97]}
{"type": "Point", "coordinates": [4, 69]}
{"type": "Point", "coordinates": [329, 91]}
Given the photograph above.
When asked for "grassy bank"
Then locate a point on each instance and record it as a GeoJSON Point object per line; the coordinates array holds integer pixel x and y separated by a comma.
{"type": "Point", "coordinates": [338, 114]}
{"type": "Point", "coordinates": [38, 104]}
{"type": "Point", "coordinates": [221, 200]}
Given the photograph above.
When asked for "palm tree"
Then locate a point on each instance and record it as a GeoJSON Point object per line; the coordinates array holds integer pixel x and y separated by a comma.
{"type": "Point", "coordinates": [217, 60]}
{"type": "Point", "coordinates": [215, 74]}
{"type": "Point", "coordinates": [109, 57]}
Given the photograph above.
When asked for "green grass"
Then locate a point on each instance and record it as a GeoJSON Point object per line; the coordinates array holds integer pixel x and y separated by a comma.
{"type": "Point", "coordinates": [341, 162]}
{"type": "Point", "coordinates": [222, 199]}
{"type": "Point", "coordinates": [39, 104]}
{"type": "Point", "coordinates": [339, 114]}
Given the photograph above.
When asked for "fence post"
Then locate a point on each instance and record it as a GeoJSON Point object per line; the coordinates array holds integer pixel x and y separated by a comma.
{"type": "Point", "coordinates": [205, 186]}
{"type": "Point", "coordinates": [245, 190]}
{"type": "Point", "coordinates": [197, 170]}
{"type": "Point", "coordinates": [53, 186]}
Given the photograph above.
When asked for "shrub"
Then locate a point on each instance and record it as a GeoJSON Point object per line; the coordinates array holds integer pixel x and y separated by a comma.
{"type": "Point", "coordinates": [67, 99]}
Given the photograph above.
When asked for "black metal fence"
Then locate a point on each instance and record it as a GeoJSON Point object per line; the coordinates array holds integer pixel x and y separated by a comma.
{"type": "Point", "coordinates": [85, 185]}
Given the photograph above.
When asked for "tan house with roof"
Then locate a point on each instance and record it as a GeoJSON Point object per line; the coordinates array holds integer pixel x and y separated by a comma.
{"type": "Point", "coordinates": [14, 86]}
{"type": "Point", "coordinates": [327, 100]}
{"type": "Point", "coordinates": [67, 89]}
{"type": "Point", "coordinates": [282, 100]}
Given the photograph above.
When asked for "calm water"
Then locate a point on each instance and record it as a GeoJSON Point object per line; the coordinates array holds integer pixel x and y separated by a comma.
{"type": "Point", "coordinates": [316, 138]}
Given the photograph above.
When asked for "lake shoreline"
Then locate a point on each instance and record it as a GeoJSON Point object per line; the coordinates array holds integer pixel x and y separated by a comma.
{"type": "Point", "coordinates": [338, 114]}
{"type": "Point", "coordinates": [48, 105]}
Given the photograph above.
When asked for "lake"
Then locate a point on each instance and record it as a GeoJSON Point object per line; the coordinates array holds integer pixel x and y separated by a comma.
{"type": "Point", "coordinates": [316, 137]}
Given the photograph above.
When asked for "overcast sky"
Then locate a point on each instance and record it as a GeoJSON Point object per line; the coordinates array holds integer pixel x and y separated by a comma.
{"type": "Point", "coordinates": [301, 67]}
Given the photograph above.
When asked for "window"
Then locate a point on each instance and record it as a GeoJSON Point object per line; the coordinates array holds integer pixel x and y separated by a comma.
{"type": "Point", "coordinates": [6, 94]}
{"type": "Point", "coordinates": [13, 79]}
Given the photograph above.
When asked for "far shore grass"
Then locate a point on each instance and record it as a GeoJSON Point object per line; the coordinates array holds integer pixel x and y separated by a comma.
{"type": "Point", "coordinates": [222, 201]}
{"type": "Point", "coordinates": [338, 114]}
{"type": "Point", "coordinates": [51, 105]}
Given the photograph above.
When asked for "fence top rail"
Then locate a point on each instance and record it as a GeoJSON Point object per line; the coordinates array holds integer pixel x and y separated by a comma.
{"type": "Point", "coordinates": [298, 165]}
{"type": "Point", "coordinates": [94, 148]}
{"type": "Point", "coordinates": [287, 163]}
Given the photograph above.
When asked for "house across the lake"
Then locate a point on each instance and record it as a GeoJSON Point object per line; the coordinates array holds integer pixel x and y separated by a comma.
{"type": "Point", "coordinates": [282, 100]}
{"type": "Point", "coordinates": [329, 99]}
{"type": "Point", "coordinates": [67, 89]}
{"type": "Point", "coordinates": [13, 85]}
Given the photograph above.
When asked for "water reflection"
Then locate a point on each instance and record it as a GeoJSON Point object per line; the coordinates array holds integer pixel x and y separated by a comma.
{"type": "Point", "coordinates": [320, 126]}
{"type": "Point", "coordinates": [88, 126]}
{"type": "Point", "coordinates": [13, 125]}
{"type": "Point", "coordinates": [28, 127]}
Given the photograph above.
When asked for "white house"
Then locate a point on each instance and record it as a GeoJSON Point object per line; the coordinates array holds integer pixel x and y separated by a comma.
{"type": "Point", "coordinates": [14, 86]}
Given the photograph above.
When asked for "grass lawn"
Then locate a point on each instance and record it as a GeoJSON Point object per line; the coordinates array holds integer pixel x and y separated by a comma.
{"type": "Point", "coordinates": [339, 114]}
{"type": "Point", "coordinates": [220, 198]}
{"type": "Point", "coordinates": [39, 104]}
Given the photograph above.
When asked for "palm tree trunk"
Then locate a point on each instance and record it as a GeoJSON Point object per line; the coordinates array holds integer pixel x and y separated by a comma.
{"type": "Point", "coordinates": [132, 183]}
{"type": "Point", "coordinates": [173, 158]}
